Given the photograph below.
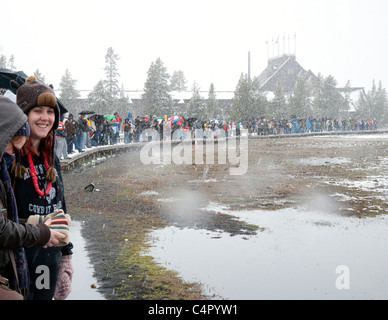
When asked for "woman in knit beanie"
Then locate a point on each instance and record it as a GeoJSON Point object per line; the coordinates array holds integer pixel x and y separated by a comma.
{"type": "Point", "coordinates": [14, 132]}
{"type": "Point", "coordinates": [37, 181]}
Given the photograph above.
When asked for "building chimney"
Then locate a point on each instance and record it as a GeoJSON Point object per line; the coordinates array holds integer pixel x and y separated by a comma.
{"type": "Point", "coordinates": [249, 65]}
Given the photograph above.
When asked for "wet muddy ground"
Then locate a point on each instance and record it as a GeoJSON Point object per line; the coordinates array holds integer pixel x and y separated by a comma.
{"type": "Point", "coordinates": [134, 199]}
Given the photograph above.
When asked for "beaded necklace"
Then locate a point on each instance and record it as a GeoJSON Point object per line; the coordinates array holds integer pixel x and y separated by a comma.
{"type": "Point", "coordinates": [34, 176]}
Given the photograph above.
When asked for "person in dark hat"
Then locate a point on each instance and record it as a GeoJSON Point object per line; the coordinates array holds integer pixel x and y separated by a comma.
{"type": "Point", "coordinates": [80, 134]}
{"type": "Point", "coordinates": [70, 125]}
{"type": "Point", "coordinates": [38, 181]}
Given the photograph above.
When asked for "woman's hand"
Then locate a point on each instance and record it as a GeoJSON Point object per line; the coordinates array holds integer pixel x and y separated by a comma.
{"type": "Point", "coordinates": [55, 236]}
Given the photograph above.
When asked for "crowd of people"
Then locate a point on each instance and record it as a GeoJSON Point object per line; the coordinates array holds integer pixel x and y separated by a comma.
{"type": "Point", "coordinates": [308, 125]}
{"type": "Point", "coordinates": [94, 130]}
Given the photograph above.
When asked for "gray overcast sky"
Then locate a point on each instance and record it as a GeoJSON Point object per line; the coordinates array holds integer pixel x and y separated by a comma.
{"type": "Point", "coordinates": [207, 39]}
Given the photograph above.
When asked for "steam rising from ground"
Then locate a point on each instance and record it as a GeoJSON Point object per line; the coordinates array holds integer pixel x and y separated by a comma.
{"type": "Point", "coordinates": [320, 202]}
{"type": "Point", "coordinates": [185, 206]}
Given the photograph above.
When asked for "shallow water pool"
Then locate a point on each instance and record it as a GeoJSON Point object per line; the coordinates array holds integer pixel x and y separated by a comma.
{"type": "Point", "coordinates": [301, 254]}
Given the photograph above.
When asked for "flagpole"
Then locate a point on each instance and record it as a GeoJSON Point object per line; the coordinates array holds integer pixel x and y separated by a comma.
{"type": "Point", "coordinates": [289, 52]}
{"type": "Point", "coordinates": [295, 44]}
{"type": "Point", "coordinates": [249, 65]}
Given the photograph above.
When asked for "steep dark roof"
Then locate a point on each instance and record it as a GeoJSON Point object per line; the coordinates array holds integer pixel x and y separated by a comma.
{"type": "Point", "coordinates": [284, 70]}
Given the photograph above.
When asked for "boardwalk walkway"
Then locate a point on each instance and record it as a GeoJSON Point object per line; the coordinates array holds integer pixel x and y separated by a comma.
{"type": "Point", "coordinates": [101, 151]}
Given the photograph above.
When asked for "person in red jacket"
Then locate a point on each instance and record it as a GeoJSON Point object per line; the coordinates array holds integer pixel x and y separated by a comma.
{"type": "Point", "coordinates": [60, 141]}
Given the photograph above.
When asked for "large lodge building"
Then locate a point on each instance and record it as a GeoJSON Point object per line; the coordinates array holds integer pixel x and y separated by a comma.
{"type": "Point", "coordinates": [283, 70]}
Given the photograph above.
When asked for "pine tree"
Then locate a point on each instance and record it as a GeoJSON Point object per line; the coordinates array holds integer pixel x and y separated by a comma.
{"type": "Point", "coordinates": [156, 98]}
{"type": "Point", "coordinates": [178, 81]}
{"type": "Point", "coordinates": [260, 100]}
{"type": "Point", "coordinates": [39, 76]}
{"type": "Point", "coordinates": [374, 104]}
{"type": "Point", "coordinates": [335, 99]}
{"type": "Point", "coordinates": [212, 110]}
{"type": "Point", "coordinates": [278, 104]}
{"type": "Point", "coordinates": [111, 73]}
{"type": "Point", "coordinates": [345, 105]}
{"type": "Point", "coordinates": [3, 61]}
{"type": "Point", "coordinates": [69, 93]}
{"type": "Point", "coordinates": [7, 65]}
{"type": "Point", "coordinates": [381, 103]}
{"type": "Point", "coordinates": [242, 101]}
{"type": "Point", "coordinates": [99, 99]}
{"type": "Point", "coordinates": [300, 102]}
{"type": "Point", "coordinates": [11, 63]}
{"type": "Point", "coordinates": [362, 106]}
{"type": "Point", "coordinates": [196, 105]}
{"type": "Point", "coordinates": [123, 105]}
{"type": "Point", "coordinates": [327, 100]}
{"type": "Point", "coordinates": [248, 102]}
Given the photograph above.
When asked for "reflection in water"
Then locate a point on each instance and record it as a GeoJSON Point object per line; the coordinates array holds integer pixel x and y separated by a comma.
{"type": "Point", "coordinates": [295, 257]}
{"type": "Point", "coordinates": [83, 270]}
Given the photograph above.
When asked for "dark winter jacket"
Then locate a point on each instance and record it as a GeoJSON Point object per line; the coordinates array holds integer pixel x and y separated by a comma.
{"type": "Point", "coordinates": [82, 126]}
{"type": "Point", "coordinates": [70, 126]}
{"type": "Point", "coordinates": [30, 203]}
{"type": "Point", "coordinates": [13, 235]}
{"type": "Point", "coordinates": [61, 131]}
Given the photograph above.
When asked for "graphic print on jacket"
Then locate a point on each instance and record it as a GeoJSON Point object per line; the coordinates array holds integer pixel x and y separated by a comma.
{"type": "Point", "coordinates": [29, 199]}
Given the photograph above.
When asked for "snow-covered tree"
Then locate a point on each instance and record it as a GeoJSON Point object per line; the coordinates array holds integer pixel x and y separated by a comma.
{"type": "Point", "coordinates": [196, 105]}
{"type": "Point", "coordinates": [345, 105]}
{"type": "Point", "coordinates": [260, 104]}
{"type": "Point", "coordinates": [278, 107]}
{"type": "Point", "coordinates": [212, 110]}
{"type": "Point", "coordinates": [3, 61]}
{"type": "Point", "coordinates": [248, 102]}
{"type": "Point", "coordinates": [122, 103]}
{"type": "Point", "coordinates": [381, 106]}
{"type": "Point", "coordinates": [300, 103]}
{"type": "Point", "coordinates": [69, 94]}
{"type": "Point", "coordinates": [99, 99]}
{"type": "Point", "coordinates": [39, 76]}
{"type": "Point", "coordinates": [178, 81]}
{"type": "Point", "coordinates": [327, 100]}
{"type": "Point", "coordinates": [11, 63]}
{"type": "Point", "coordinates": [111, 73]}
{"type": "Point", "coordinates": [374, 105]}
{"type": "Point", "coordinates": [242, 100]}
{"type": "Point", "coordinates": [156, 98]}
